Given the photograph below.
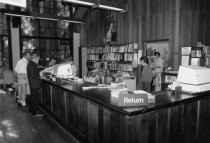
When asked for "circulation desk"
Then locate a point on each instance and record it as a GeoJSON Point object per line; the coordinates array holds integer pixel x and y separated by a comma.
{"type": "Point", "coordinates": [93, 116]}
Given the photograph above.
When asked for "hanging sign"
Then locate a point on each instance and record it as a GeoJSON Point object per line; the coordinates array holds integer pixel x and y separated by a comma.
{"type": "Point", "coordinates": [21, 3]}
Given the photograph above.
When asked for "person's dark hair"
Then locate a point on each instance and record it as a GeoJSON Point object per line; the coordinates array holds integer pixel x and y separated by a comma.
{"type": "Point", "coordinates": [35, 55]}
{"type": "Point", "coordinates": [157, 53]}
{"type": "Point", "coordinates": [26, 52]}
{"type": "Point", "coordinates": [145, 59]}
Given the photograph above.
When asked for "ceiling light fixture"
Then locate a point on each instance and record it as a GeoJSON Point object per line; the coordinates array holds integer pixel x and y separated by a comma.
{"type": "Point", "coordinates": [11, 14]}
{"type": "Point", "coordinates": [110, 8]}
{"type": "Point", "coordinates": [45, 18]}
{"type": "Point", "coordinates": [80, 2]}
{"type": "Point", "coordinates": [73, 21]}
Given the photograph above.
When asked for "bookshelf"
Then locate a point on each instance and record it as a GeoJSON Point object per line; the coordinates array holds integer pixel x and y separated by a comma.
{"type": "Point", "coordinates": [112, 59]}
{"type": "Point", "coordinates": [195, 55]}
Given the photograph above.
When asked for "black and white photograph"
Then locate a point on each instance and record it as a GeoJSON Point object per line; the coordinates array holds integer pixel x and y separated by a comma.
{"type": "Point", "coordinates": [104, 71]}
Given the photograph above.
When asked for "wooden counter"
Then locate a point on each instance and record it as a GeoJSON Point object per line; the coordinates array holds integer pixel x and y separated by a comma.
{"type": "Point", "coordinates": [93, 116]}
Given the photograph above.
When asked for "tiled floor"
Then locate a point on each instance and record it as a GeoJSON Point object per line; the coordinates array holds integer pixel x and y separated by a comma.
{"type": "Point", "coordinates": [17, 126]}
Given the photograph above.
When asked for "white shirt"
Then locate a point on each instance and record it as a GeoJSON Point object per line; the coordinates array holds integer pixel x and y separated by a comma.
{"type": "Point", "coordinates": [21, 66]}
{"type": "Point", "coordinates": [158, 65]}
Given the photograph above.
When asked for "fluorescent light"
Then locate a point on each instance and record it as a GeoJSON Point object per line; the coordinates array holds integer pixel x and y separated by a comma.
{"type": "Point", "coordinates": [45, 18]}
{"type": "Point", "coordinates": [10, 14]}
{"type": "Point", "coordinates": [110, 8]}
{"type": "Point", "coordinates": [80, 2]}
{"type": "Point", "coordinates": [73, 21]}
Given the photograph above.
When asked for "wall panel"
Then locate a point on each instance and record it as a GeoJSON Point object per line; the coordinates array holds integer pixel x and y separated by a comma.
{"type": "Point", "coordinates": [183, 22]}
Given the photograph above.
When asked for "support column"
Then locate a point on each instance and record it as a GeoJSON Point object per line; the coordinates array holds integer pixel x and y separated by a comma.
{"type": "Point", "coordinates": [15, 43]}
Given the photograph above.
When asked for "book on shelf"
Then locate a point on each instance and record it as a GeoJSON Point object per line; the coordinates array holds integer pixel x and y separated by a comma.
{"type": "Point", "coordinates": [97, 50]}
{"type": "Point", "coordinates": [206, 50]}
{"type": "Point", "coordinates": [130, 47]}
{"type": "Point", "coordinates": [195, 61]}
{"type": "Point", "coordinates": [198, 53]}
{"type": "Point", "coordinates": [122, 49]}
{"type": "Point", "coordinates": [128, 57]}
{"type": "Point", "coordinates": [114, 49]}
{"type": "Point", "coordinates": [135, 46]}
{"type": "Point", "coordinates": [186, 51]}
{"type": "Point", "coordinates": [185, 60]}
{"type": "Point", "coordinates": [126, 47]}
{"type": "Point", "coordinates": [107, 49]}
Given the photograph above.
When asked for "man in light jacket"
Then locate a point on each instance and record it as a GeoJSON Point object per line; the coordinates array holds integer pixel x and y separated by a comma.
{"type": "Point", "coordinates": [21, 72]}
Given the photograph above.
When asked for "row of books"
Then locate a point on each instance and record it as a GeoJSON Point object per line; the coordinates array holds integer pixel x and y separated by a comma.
{"type": "Point", "coordinates": [117, 57]}
{"type": "Point", "coordinates": [195, 55]}
{"type": "Point", "coordinates": [186, 60]}
{"type": "Point", "coordinates": [93, 57]}
{"type": "Point", "coordinates": [111, 57]}
{"type": "Point", "coordinates": [114, 48]}
{"type": "Point", "coordinates": [111, 66]}
{"type": "Point", "coordinates": [121, 67]}
{"type": "Point", "coordinates": [170, 79]}
{"type": "Point", "coordinates": [195, 51]}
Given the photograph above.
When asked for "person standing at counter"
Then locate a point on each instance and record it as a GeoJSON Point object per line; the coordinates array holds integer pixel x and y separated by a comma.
{"type": "Point", "coordinates": [158, 69]}
{"type": "Point", "coordinates": [34, 82]}
{"type": "Point", "coordinates": [146, 77]}
{"type": "Point", "coordinates": [158, 63]}
{"type": "Point", "coordinates": [21, 72]}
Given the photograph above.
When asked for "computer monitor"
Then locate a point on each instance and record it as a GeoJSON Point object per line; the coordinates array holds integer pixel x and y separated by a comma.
{"type": "Point", "coordinates": [62, 70]}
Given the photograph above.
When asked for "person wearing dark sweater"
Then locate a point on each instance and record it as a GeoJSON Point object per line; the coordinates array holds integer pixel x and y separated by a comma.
{"type": "Point", "coordinates": [34, 82]}
{"type": "Point", "coordinates": [147, 75]}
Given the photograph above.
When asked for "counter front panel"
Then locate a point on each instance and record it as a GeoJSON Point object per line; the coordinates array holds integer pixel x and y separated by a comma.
{"type": "Point", "coordinates": [92, 116]}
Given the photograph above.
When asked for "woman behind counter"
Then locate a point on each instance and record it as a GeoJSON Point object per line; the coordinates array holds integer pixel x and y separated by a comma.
{"type": "Point", "coordinates": [147, 74]}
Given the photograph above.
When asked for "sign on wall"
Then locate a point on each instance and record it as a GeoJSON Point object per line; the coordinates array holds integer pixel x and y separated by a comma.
{"type": "Point", "coordinates": [21, 3]}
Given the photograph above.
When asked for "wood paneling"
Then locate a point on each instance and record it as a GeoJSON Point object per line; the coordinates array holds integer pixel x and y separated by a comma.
{"type": "Point", "coordinates": [176, 124]}
{"type": "Point", "coordinates": [186, 122]}
{"type": "Point", "coordinates": [184, 22]}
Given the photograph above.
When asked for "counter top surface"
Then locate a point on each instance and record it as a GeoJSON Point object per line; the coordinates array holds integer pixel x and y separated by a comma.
{"type": "Point", "coordinates": [103, 96]}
